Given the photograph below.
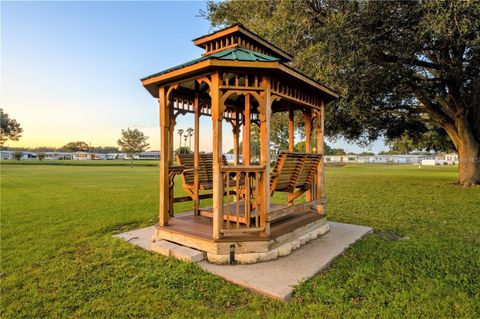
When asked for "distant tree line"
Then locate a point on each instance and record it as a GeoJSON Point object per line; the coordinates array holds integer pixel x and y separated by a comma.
{"type": "Point", "coordinates": [10, 129]}
{"type": "Point", "coordinates": [67, 148]}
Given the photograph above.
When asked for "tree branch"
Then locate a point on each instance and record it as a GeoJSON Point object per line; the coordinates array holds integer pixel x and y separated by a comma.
{"type": "Point", "coordinates": [439, 116]}
{"type": "Point", "coordinates": [411, 61]}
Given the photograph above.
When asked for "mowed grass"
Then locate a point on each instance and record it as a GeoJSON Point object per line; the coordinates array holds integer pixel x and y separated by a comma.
{"type": "Point", "coordinates": [58, 257]}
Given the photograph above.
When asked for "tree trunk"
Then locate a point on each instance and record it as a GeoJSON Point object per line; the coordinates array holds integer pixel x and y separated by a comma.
{"type": "Point", "coordinates": [468, 149]}
{"type": "Point", "coordinates": [469, 163]}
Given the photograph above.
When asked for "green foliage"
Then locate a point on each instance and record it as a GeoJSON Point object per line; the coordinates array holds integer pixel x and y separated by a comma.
{"type": "Point", "coordinates": [254, 141]}
{"type": "Point", "coordinates": [398, 65]}
{"type": "Point", "coordinates": [9, 128]}
{"type": "Point", "coordinates": [279, 130]}
{"type": "Point", "coordinates": [41, 156]}
{"type": "Point", "coordinates": [190, 132]}
{"type": "Point", "coordinates": [133, 141]}
{"type": "Point", "coordinates": [17, 155]}
{"type": "Point", "coordinates": [183, 150]}
{"type": "Point", "coordinates": [59, 258]}
{"type": "Point", "coordinates": [77, 146]}
{"type": "Point", "coordinates": [180, 133]}
{"type": "Point", "coordinates": [366, 154]}
{"type": "Point", "coordinates": [327, 150]}
{"type": "Point", "coordinates": [300, 147]}
{"type": "Point", "coordinates": [336, 151]}
{"type": "Point", "coordinates": [430, 140]}
{"type": "Point", "coordinates": [104, 149]}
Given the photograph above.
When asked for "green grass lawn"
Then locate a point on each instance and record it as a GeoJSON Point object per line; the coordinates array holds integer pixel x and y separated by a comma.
{"type": "Point", "coordinates": [58, 258]}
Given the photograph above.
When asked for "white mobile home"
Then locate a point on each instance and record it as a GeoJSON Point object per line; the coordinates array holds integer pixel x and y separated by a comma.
{"type": "Point", "coordinates": [58, 156]}
{"type": "Point", "coordinates": [9, 155]}
{"type": "Point", "coordinates": [6, 155]}
{"type": "Point", "coordinates": [447, 159]}
{"type": "Point", "coordinates": [341, 158]}
{"type": "Point", "coordinates": [82, 156]}
{"type": "Point", "coordinates": [150, 155]}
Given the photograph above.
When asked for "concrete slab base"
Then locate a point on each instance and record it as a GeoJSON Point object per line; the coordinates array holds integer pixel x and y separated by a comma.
{"type": "Point", "coordinates": [139, 237]}
{"type": "Point", "coordinates": [283, 250]}
{"type": "Point", "coordinates": [275, 278]}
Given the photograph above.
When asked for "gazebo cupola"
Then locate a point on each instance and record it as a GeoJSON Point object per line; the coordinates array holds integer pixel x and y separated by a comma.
{"type": "Point", "coordinates": [241, 79]}
{"type": "Point", "coordinates": [238, 37]}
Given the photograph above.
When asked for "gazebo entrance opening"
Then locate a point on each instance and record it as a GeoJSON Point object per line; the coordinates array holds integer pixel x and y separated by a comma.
{"type": "Point", "coordinates": [241, 79]}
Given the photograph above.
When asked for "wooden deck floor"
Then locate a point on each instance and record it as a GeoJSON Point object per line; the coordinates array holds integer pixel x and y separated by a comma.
{"type": "Point", "coordinates": [201, 227]}
{"type": "Point", "coordinates": [229, 212]}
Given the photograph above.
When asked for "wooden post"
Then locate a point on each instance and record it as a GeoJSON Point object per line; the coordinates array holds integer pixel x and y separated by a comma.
{"type": "Point", "coordinates": [320, 191]}
{"type": "Point", "coordinates": [236, 137]}
{"type": "Point", "coordinates": [307, 119]}
{"type": "Point", "coordinates": [265, 115]}
{"type": "Point", "coordinates": [246, 131]}
{"type": "Point", "coordinates": [171, 135]}
{"type": "Point", "coordinates": [291, 130]}
{"type": "Point", "coordinates": [196, 151]}
{"type": "Point", "coordinates": [217, 115]}
{"type": "Point", "coordinates": [164, 107]}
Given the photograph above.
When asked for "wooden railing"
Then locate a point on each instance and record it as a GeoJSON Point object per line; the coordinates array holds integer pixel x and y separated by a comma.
{"type": "Point", "coordinates": [242, 200]}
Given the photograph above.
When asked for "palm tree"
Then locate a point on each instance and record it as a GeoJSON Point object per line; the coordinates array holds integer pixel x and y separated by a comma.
{"type": "Point", "coordinates": [180, 132]}
{"type": "Point", "coordinates": [185, 137]}
{"type": "Point", "coordinates": [190, 134]}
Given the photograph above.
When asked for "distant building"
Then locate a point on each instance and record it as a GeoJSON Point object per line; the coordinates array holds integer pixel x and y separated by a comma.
{"type": "Point", "coordinates": [82, 156]}
{"type": "Point", "coordinates": [9, 155]}
{"type": "Point", "coordinates": [442, 159]}
{"type": "Point", "coordinates": [6, 155]}
{"type": "Point", "coordinates": [447, 159]}
{"type": "Point", "coordinates": [150, 155]}
{"type": "Point", "coordinates": [451, 159]}
{"type": "Point", "coordinates": [409, 159]}
{"type": "Point", "coordinates": [378, 159]}
{"type": "Point", "coordinates": [58, 155]}
{"type": "Point", "coordinates": [105, 157]}
{"type": "Point", "coordinates": [341, 158]}
{"type": "Point", "coordinates": [429, 162]}
{"type": "Point", "coordinates": [121, 156]}
{"type": "Point", "coordinates": [398, 159]}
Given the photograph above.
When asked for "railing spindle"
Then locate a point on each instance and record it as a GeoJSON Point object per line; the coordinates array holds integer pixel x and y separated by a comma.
{"type": "Point", "coordinates": [257, 201]}
{"type": "Point", "coordinates": [227, 181]}
{"type": "Point", "coordinates": [247, 199]}
{"type": "Point", "coordinates": [237, 204]}
{"type": "Point", "coordinates": [243, 182]}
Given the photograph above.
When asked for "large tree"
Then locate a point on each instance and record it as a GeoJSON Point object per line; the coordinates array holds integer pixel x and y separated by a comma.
{"type": "Point", "coordinates": [398, 65]}
{"type": "Point", "coordinates": [77, 146]}
{"type": "Point", "coordinates": [9, 129]}
{"type": "Point", "coordinates": [133, 141]}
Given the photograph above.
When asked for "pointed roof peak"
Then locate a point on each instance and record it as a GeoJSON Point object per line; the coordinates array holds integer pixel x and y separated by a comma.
{"type": "Point", "coordinates": [239, 36]}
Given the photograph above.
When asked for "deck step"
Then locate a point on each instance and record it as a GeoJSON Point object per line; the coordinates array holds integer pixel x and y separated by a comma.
{"type": "Point", "coordinates": [180, 252]}
{"type": "Point", "coordinates": [187, 254]}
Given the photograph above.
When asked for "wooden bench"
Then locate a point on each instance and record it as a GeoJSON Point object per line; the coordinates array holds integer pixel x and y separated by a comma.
{"type": "Point", "coordinates": [205, 171]}
{"type": "Point", "coordinates": [205, 176]}
{"type": "Point", "coordinates": [294, 173]}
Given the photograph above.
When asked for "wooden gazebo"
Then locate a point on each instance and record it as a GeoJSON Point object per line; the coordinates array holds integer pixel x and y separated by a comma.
{"type": "Point", "coordinates": [240, 79]}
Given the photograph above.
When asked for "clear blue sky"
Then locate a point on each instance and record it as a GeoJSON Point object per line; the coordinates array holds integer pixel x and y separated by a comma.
{"type": "Point", "coordinates": [71, 70]}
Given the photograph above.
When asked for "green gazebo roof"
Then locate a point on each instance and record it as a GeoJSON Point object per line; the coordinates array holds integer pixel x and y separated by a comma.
{"type": "Point", "coordinates": [235, 54]}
